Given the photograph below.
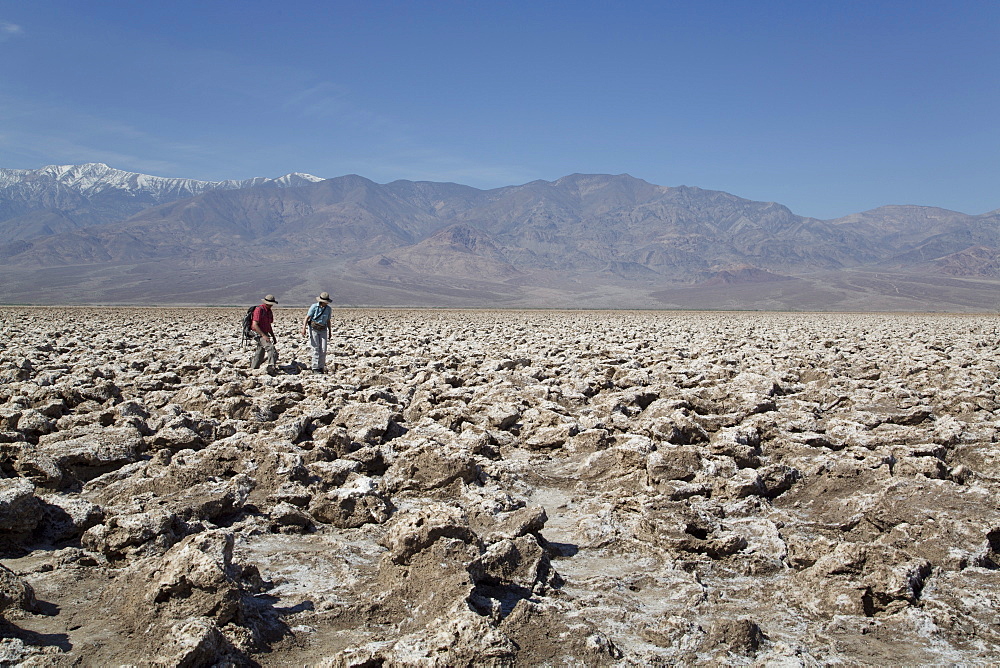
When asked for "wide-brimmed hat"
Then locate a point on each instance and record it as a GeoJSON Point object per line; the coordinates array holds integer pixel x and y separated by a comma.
{"type": "Point", "coordinates": [324, 297]}
{"type": "Point", "coordinates": [270, 299]}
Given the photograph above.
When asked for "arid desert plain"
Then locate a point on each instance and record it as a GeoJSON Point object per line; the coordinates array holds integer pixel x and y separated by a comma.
{"type": "Point", "coordinates": [500, 488]}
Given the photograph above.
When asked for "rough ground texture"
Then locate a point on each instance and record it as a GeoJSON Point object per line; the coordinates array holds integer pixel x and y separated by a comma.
{"type": "Point", "coordinates": [500, 488]}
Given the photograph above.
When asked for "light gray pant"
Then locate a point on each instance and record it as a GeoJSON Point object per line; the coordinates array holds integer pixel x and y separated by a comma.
{"type": "Point", "coordinates": [319, 339]}
{"type": "Point", "coordinates": [264, 347]}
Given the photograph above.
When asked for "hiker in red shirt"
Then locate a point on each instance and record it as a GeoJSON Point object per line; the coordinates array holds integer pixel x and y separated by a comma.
{"type": "Point", "coordinates": [261, 327]}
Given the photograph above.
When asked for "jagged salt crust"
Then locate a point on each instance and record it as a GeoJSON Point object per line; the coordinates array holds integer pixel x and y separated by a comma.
{"type": "Point", "coordinates": [499, 488]}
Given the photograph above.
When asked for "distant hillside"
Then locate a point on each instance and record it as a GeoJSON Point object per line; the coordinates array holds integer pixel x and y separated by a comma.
{"type": "Point", "coordinates": [40, 202]}
{"type": "Point", "coordinates": [583, 240]}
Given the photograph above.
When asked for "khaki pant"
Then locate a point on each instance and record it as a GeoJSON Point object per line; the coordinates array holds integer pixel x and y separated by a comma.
{"type": "Point", "coordinates": [319, 339]}
{"type": "Point", "coordinates": [264, 347]}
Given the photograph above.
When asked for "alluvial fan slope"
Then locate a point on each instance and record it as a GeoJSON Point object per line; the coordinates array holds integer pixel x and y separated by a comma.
{"type": "Point", "coordinates": [499, 488]}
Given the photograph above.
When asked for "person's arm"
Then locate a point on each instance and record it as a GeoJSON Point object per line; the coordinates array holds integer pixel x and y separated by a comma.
{"type": "Point", "coordinates": [305, 323]}
{"type": "Point", "coordinates": [255, 326]}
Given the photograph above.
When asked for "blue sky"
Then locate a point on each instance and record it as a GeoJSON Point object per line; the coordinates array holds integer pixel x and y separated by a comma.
{"type": "Point", "coordinates": [828, 107]}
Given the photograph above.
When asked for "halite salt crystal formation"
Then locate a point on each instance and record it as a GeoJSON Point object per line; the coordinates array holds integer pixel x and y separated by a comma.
{"type": "Point", "coordinates": [498, 487]}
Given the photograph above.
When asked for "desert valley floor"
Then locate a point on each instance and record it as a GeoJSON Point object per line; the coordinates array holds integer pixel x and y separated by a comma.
{"type": "Point", "coordinates": [500, 488]}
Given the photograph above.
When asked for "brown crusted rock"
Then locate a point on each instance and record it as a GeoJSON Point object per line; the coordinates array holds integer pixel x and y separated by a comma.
{"type": "Point", "coordinates": [673, 631]}
{"type": "Point", "coordinates": [458, 639]}
{"type": "Point", "coordinates": [292, 428]}
{"type": "Point", "coordinates": [291, 492]}
{"type": "Point", "coordinates": [413, 532]}
{"type": "Point", "coordinates": [334, 437]}
{"type": "Point", "coordinates": [51, 407]}
{"type": "Point", "coordinates": [632, 451]}
{"type": "Point", "coordinates": [501, 416]}
{"type": "Point", "coordinates": [676, 490]}
{"type": "Point", "coordinates": [237, 408]}
{"type": "Point", "coordinates": [198, 578]}
{"type": "Point", "coordinates": [803, 552]}
{"type": "Point", "coordinates": [276, 467]}
{"type": "Point", "coordinates": [431, 466]}
{"type": "Point", "coordinates": [132, 408]}
{"type": "Point", "coordinates": [547, 438]}
{"type": "Point", "coordinates": [420, 404]}
{"type": "Point", "coordinates": [427, 600]}
{"type": "Point", "coordinates": [951, 526]}
{"type": "Point", "coordinates": [739, 636]}
{"type": "Point", "coordinates": [776, 479]}
{"type": "Point", "coordinates": [372, 459]}
{"type": "Point", "coordinates": [744, 483]}
{"type": "Point", "coordinates": [357, 503]}
{"type": "Point", "coordinates": [38, 466]}
{"type": "Point", "coordinates": [100, 391]}
{"type": "Point", "coordinates": [67, 517]}
{"type": "Point", "coordinates": [478, 441]}
{"type": "Point", "coordinates": [6, 439]}
{"type": "Point", "coordinates": [523, 521]}
{"type": "Point", "coordinates": [107, 448]}
{"type": "Point", "coordinates": [666, 422]}
{"type": "Point", "coordinates": [544, 428]}
{"type": "Point", "coordinates": [522, 562]}
{"type": "Point", "coordinates": [948, 430]}
{"type": "Point", "coordinates": [679, 529]}
{"type": "Point", "coordinates": [869, 406]}
{"type": "Point", "coordinates": [15, 593]}
{"type": "Point", "coordinates": [193, 485]}
{"type": "Point", "coordinates": [191, 603]}
{"type": "Point", "coordinates": [127, 534]}
{"type": "Point", "coordinates": [929, 467]}
{"type": "Point", "coordinates": [213, 500]}
{"type": "Point", "coordinates": [742, 443]}
{"type": "Point", "coordinates": [600, 464]}
{"type": "Point", "coordinates": [493, 526]}
{"type": "Point", "coordinates": [333, 474]}
{"type": "Point", "coordinates": [177, 438]}
{"type": "Point", "coordinates": [19, 507]}
{"type": "Point", "coordinates": [673, 463]}
{"type": "Point", "coordinates": [859, 579]}
{"type": "Point", "coordinates": [194, 397]}
{"type": "Point", "coordinates": [9, 415]}
{"type": "Point", "coordinates": [369, 423]}
{"type": "Point", "coordinates": [287, 518]}
{"type": "Point", "coordinates": [589, 440]}
{"type": "Point", "coordinates": [748, 385]}
{"type": "Point", "coordinates": [197, 642]}
{"type": "Point", "coordinates": [561, 639]}
{"type": "Point", "coordinates": [33, 423]}
{"type": "Point", "coordinates": [625, 403]}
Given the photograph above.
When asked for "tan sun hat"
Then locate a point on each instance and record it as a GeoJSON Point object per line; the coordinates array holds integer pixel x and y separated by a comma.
{"type": "Point", "coordinates": [270, 299]}
{"type": "Point", "coordinates": [324, 297]}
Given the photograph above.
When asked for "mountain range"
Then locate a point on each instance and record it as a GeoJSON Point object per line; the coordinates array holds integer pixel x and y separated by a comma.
{"type": "Point", "coordinates": [93, 234]}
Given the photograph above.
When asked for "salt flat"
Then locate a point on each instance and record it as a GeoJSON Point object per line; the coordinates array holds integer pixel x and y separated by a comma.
{"type": "Point", "coordinates": [500, 488]}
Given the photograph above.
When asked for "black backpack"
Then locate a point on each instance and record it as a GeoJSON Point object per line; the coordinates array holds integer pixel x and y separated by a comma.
{"type": "Point", "coordinates": [247, 335]}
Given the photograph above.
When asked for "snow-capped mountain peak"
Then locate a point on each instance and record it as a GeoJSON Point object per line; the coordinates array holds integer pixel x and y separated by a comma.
{"type": "Point", "coordinates": [95, 177]}
{"type": "Point", "coordinates": [94, 193]}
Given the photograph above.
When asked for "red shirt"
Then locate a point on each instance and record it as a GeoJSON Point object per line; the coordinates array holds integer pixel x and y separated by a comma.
{"type": "Point", "coordinates": [263, 317]}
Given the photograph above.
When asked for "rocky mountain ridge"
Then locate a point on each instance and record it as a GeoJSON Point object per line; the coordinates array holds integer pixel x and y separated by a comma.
{"type": "Point", "coordinates": [95, 177]}
{"type": "Point", "coordinates": [582, 240]}
{"type": "Point", "coordinates": [57, 198]}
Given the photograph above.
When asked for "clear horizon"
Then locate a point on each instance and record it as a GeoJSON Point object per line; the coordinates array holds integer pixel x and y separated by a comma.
{"type": "Point", "coordinates": [829, 109]}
